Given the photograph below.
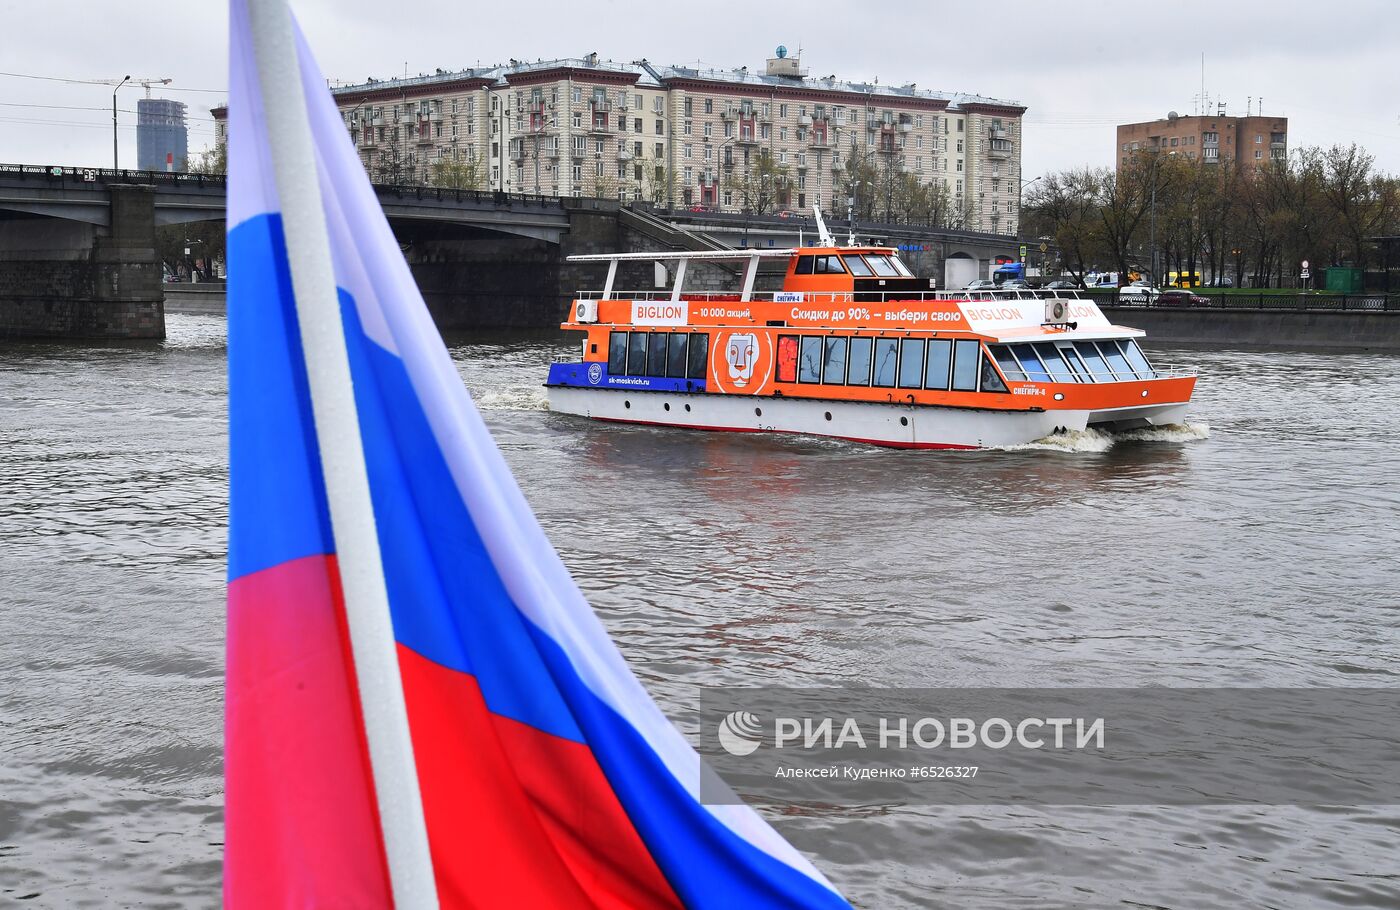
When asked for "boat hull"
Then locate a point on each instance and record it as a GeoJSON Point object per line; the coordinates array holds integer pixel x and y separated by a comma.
{"type": "Point", "coordinates": [894, 425]}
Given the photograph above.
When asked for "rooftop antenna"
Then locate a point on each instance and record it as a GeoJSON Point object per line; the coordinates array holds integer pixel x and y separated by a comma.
{"type": "Point", "coordinates": [1248, 105]}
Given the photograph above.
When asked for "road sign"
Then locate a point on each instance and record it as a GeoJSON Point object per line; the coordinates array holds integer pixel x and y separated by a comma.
{"type": "Point", "coordinates": [1044, 247]}
{"type": "Point", "coordinates": [1023, 251]}
{"type": "Point", "coordinates": [1305, 265]}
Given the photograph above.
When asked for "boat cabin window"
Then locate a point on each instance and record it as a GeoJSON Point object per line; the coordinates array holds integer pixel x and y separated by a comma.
{"type": "Point", "coordinates": [858, 267]}
{"type": "Point", "coordinates": [806, 265]}
{"type": "Point", "coordinates": [1082, 361]}
{"type": "Point", "coordinates": [881, 265]}
{"type": "Point", "coordinates": [829, 265]}
{"type": "Point", "coordinates": [787, 358]}
{"type": "Point", "coordinates": [676, 355]}
{"type": "Point", "coordinates": [966, 351]}
{"type": "Point", "coordinates": [858, 367]}
{"type": "Point", "coordinates": [1007, 362]}
{"type": "Point", "coordinates": [887, 266]}
{"type": "Point", "coordinates": [886, 356]}
{"type": "Point", "coordinates": [834, 365]}
{"type": "Point", "coordinates": [617, 353]}
{"type": "Point", "coordinates": [1098, 367]}
{"type": "Point", "coordinates": [938, 363]}
{"type": "Point", "coordinates": [809, 364]}
{"type": "Point", "coordinates": [1137, 359]}
{"type": "Point", "coordinates": [911, 363]}
{"type": "Point", "coordinates": [637, 354]}
{"type": "Point", "coordinates": [699, 356]}
{"type": "Point", "coordinates": [656, 354]}
{"type": "Point", "coordinates": [991, 380]}
{"type": "Point", "coordinates": [676, 345]}
{"type": "Point", "coordinates": [1055, 363]}
{"type": "Point", "coordinates": [1116, 360]}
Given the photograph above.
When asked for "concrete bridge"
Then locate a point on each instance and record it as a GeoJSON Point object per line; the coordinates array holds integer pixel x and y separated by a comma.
{"type": "Point", "coordinates": [78, 258]}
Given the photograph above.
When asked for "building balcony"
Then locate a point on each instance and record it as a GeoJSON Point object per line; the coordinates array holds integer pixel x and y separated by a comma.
{"type": "Point", "coordinates": [624, 154]}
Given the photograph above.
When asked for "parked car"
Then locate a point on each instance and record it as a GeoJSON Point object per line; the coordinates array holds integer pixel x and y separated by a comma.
{"type": "Point", "coordinates": [1181, 297]}
{"type": "Point", "coordinates": [1015, 284]}
{"type": "Point", "coordinates": [1221, 282]}
{"type": "Point", "coordinates": [1138, 292]}
{"type": "Point", "coordinates": [1061, 284]}
{"type": "Point", "coordinates": [981, 284]}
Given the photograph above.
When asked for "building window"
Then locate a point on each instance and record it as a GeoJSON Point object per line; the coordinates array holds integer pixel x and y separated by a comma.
{"type": "Point", "coordinates": [709, 105]}
{"type": "Point", "coordinates": [709, 128]}
{"type": "Point", "coordinates": [578, 94]}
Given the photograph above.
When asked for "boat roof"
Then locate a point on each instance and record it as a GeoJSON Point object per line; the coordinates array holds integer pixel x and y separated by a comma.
{"type": "Point", "coordinates": [738, 254]}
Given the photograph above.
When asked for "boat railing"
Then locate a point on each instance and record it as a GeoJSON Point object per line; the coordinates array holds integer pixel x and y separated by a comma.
{"type": "Point", "coordinates": [830, 296]}
{"type": "Point", "coordinates": [1173, 371]}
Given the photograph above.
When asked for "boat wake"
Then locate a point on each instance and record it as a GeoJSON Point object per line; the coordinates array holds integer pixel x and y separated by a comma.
{"type": "Point", "coordinates": [1091, 440]}
{"type": "Point", "coordinates": [511, 400]}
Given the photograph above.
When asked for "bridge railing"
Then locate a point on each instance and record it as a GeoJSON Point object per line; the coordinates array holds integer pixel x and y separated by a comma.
{"type": "Point", "coordinates": [86, 175]}
{"type": "Point", "coordinates": [79, 176]}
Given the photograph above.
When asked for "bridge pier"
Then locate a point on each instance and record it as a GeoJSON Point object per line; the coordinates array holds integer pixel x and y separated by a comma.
{"type": "Point", "coordinates": [73, 279]}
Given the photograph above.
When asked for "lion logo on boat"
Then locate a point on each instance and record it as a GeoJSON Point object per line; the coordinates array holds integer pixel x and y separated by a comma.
{"type": "Point", "coordinates": [740, 353]}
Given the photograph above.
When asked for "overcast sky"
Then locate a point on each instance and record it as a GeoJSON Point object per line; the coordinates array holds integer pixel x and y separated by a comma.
{"type": "Point", "coordinates": [1080, 66]}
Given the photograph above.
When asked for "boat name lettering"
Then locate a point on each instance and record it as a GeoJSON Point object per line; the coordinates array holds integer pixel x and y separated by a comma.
{"type": "Point", "coordinates": [787, 297]}
{"type": "Point", "coordinates": [1027, 390]}
{"type": "Point", "coordinates": [666, 313]}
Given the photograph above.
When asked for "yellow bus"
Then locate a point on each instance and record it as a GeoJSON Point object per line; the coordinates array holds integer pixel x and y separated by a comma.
{"type": "Point", "coordinates": [1184, 279]}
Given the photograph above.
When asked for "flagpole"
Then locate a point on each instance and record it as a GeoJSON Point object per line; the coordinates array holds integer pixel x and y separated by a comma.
{"type": "Point", "coordinates": [342, 457]}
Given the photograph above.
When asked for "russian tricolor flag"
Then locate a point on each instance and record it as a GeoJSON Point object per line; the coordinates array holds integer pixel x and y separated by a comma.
{"type": "Point", "coordinates": [422, 709]}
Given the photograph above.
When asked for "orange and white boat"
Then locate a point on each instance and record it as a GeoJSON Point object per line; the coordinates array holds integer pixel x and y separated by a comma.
{"type": "Point", "coordinates": [855, 347]}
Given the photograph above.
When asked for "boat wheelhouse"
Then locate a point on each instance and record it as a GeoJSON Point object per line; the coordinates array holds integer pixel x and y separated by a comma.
{"type": "Point", "coordinates": [854, 346]}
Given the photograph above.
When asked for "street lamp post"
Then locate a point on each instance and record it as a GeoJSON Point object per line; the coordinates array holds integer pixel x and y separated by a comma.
{"type": "Point", "coordinates": [125, 80]}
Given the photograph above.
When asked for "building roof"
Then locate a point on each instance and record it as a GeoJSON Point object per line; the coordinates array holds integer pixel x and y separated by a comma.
{"type": "Point", "coordinates": [648, 75]}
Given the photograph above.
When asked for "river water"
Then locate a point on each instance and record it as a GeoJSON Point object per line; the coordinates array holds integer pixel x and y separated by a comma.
{"type": "Point", "coordinates": [1259, 552]}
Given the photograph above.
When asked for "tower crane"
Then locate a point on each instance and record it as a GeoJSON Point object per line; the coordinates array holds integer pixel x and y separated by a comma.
{"type": "Point", "coordinates": [146, 82]}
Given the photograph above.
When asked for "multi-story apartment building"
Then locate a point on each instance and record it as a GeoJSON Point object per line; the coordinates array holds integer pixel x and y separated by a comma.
{"type": "Point", "coordinates": [1251, 141]}
{"type": "Point", "coordinates": [680, 136]}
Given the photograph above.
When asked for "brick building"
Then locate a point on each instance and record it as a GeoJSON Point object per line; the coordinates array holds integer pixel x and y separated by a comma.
{"type": "Point", "coordinates": [1252, 141]}
{"type": "Point", "coordinates": [683, 136]}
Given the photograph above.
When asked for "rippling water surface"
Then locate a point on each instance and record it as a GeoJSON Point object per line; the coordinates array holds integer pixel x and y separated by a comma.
{"type": "Point", "coordinates": [1261, 555]}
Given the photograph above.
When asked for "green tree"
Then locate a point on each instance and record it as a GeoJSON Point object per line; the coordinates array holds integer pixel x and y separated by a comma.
{"type": "Point", "coordinates": [456, 175]}
{"type": "Point", "coordinates": [211, 161]}
{"type": "Point", "coordinates": [758, 185]}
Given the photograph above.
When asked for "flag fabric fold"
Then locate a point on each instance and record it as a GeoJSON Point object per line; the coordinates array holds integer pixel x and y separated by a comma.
{"type": "Point", "coordinates": [548, 776]}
